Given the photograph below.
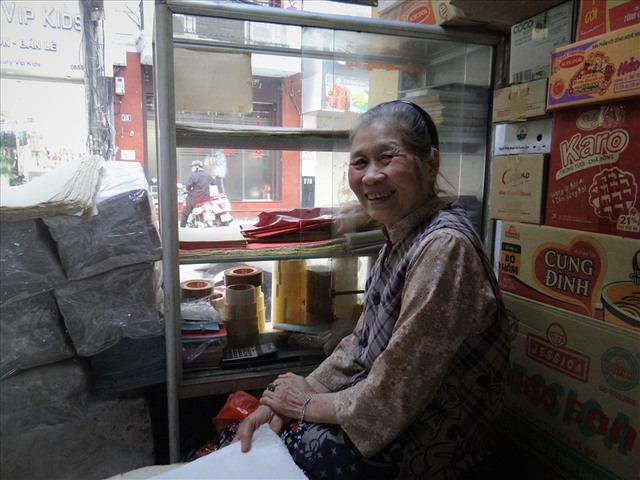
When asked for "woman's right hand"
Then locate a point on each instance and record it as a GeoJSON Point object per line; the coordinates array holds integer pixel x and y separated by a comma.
{"type": "Point", "coordinates": [262, 414]}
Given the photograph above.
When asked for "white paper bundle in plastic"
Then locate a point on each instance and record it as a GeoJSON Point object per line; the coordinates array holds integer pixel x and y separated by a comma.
{"type": "Point", "coordinates": [70, 189]}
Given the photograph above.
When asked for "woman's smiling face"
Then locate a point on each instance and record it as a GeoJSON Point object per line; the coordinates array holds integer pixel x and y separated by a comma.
{"type": "Point", "coordinates": [383, 175]}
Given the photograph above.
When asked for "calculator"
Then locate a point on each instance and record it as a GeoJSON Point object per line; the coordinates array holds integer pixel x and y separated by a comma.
{"type": "Point", "coordinates": [245, 356]}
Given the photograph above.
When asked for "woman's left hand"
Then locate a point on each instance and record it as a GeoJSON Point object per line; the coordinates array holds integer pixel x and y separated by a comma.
{"type": "Point", "coordinates": [288, 395]}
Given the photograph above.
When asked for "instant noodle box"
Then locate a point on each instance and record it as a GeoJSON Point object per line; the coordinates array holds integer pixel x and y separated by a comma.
{"type": "Point", "coordinates": [600, 69]}
{"type": "Point", "coordinates": [589, 274]}
{"type": "Point", "coordinates": [572, 391]}
{"type": "Point", "coordinates": [594, 169]}
{"type": "Point", "coordinates": [601, 16]}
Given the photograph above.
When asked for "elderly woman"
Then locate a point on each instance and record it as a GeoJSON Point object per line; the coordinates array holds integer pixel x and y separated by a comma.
{"type": "Point", "coordinates": [416, 389]}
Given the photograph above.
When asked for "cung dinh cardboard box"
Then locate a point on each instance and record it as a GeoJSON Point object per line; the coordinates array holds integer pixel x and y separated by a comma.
{"type": "Point", "coordinates": [517, 187]}
{"type": "Point", "coordinates": [594, 169]}
{"type": "Point", "coordinates": [600, 69]}
{"type": "Point", "coordinates": [590, 274]}
{"type": "Point", "coordinates": [534, 38]}
{"type": "Point", "coordinates": [520, 101]}
{"type": "Point", "coordinates": [572, 391]}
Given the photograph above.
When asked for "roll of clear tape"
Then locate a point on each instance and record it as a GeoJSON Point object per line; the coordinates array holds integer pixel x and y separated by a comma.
{"type": "Point", "coordinates": [242, 325]}
{"type": "Point", "coordinates": [242, 294]}
{"type": "Point", "coordinates": [198, 288]}
{"type": "Point", "coordinates": [243, 274]}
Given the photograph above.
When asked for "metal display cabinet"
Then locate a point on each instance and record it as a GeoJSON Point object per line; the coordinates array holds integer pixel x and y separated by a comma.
{"type": "Point", "coordinates": [214, 63]}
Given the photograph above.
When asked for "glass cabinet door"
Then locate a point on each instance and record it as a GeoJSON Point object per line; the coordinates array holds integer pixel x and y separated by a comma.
{"type": "Point", "coordinates": [242, 82]}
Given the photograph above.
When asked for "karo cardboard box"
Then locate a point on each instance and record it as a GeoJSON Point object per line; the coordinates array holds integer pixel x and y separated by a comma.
{"type": "Point", "coordinates": [520, 101]}
{"type": "Point", "coordinates": [517, 187]}
{"type": "Point", "coordinates": [594, 169]}
{"type": "Point", "coordinates": [590, 274]}
{"type": "Point", "coordinates": [534, 38]}
{"type": "Point", "coordinates": [532, 136]}
{"type": "Point", "coordinates": [600, 69]}
{"type": "Point", "coordinates": [572, 391]}
{"type": "Point", "coordinates": [596, 17]}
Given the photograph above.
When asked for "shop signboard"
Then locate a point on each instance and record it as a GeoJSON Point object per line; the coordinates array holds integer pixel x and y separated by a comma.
{"type": "Point", "coordinates": [41, 39]}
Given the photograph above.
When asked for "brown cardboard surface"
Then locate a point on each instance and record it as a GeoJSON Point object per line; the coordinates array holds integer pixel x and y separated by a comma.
{"type": "Point", "coordinates": [504, 13]}
{"type": "Point", "coordinates": [573, 391]}
{"type": "Point", "coordinates": [517, 187]}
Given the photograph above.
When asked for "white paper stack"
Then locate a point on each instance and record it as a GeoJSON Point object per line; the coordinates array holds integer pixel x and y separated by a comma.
{"type": "Point", "coordinates": [70, 189]}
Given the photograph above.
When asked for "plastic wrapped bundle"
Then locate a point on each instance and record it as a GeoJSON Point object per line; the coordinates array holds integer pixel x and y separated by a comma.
{"type": "Point", "coordinates": [114, 436]}
{"type": "Point", "coordinates": [123, 232]}
{"type": "Point", "coordinates": [99, 311]}
{"type": "Point", "coordinates": [29, 263]}
{"type": "Point", "coordinates": [32, 334]}
{"type": "Point", "coordinates": [47, 395]}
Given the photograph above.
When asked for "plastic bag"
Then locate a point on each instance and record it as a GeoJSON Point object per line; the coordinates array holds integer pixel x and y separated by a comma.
{"type": "Point", "coordinates": [239, 405]}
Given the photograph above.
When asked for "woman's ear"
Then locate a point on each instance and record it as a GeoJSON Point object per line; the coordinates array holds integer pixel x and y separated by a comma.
{"type": "Point", "coordinates": [434, 165]}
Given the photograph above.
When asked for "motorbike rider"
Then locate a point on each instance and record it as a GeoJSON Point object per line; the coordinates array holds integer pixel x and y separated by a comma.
{"type": "Point", "coordinates": [197, 190]}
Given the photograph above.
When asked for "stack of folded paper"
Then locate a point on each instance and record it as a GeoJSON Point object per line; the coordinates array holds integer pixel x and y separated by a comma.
{"type": "Point", "coordinates": [70, 189]}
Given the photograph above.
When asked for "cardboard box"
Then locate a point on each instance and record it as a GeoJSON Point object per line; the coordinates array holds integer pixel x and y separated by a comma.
{"type": "Point", "coordinates": [520, 101]}
{"type": "Point", "coordinates": [590, 274]}
{"type": "Point", "coordinates": [596, 17]}
{"type": "Point", "coordinates": [534, 38]}
{"type": "Point", "coordinates": [573, 395]}
{"type": "Point", "coordinates": [430, 12]}
{"type": "Point", "coordinates": [508, 14]}
{"type": "Point", "coordinates": [594, 170]}
{"type": "Point", "coordinates": [517, 187]}
{"type": "Point", "coordinates": [600, 69]}
{"type": "Point", "coordinates": [532, 136]}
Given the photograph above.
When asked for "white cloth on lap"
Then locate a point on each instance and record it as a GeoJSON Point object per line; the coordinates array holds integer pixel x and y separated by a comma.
{"type": "Point", "coordinates": [268, 458]}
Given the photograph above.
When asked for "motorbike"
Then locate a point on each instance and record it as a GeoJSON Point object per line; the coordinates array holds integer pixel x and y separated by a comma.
{"type": "Point", "coordinates": [214, 213]}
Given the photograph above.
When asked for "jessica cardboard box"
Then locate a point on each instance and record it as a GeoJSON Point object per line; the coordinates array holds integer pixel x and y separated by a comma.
{"type": "Point", "coordinates": [517, 187]}
{"type": "Point", "coordinates": [590, 274]}
{"type": "Point", "coordinates": [594, 169]}
{"type": "Point", "coordinates": [600, 69]}
{"type": "Point", "coordinates": [573, 391]}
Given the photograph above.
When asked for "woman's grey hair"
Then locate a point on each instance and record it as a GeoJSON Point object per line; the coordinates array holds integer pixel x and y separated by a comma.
{"type": "Point", "coordinates": [419, 132]}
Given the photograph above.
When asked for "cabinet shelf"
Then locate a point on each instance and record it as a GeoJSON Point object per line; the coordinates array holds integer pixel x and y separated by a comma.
{"type": "Point", "coordinates": [265, 138]}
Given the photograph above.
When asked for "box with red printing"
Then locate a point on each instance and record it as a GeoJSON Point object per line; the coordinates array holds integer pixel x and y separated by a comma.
{"type": "Point", "coordinates": [572, 391]}
{"type": "Point", "coordinates": [600, 69]}
{"type": "Point", "coordinates": [594, 169]}
{"type": "Point", "coordinates": [601, 16]}
{"type": "Point", "coordinates": [517, 187]}
{"type": "Point", "coordinates": [590, 274]}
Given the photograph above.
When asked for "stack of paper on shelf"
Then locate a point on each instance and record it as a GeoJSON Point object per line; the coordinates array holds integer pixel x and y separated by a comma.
{"type": "Point", "coordinates": [454, 109]}
{"type": "Point", "coordinates": [202, 348]}
{"type": "Point", "coordinates": [206, 238]}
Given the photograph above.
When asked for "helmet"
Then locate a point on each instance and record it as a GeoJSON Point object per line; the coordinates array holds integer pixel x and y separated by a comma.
{"type": "Point", "coordinates": [197, 163]}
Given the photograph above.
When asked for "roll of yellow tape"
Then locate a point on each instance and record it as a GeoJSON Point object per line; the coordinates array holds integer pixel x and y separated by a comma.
{"type": "Point", "coordinates": [243, 274]}
{"type": "Point", "coordinates": [199, 288]}
{"type": "Point", "coordinates": [289, 292]}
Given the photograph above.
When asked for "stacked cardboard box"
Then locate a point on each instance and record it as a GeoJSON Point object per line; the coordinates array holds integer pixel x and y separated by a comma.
{"type": "Point", "coordinates": [568, 257]}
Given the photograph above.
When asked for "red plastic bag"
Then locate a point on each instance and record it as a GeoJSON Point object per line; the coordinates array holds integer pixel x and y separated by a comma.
{"type": "Point", "coordinates": [239, 405]}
